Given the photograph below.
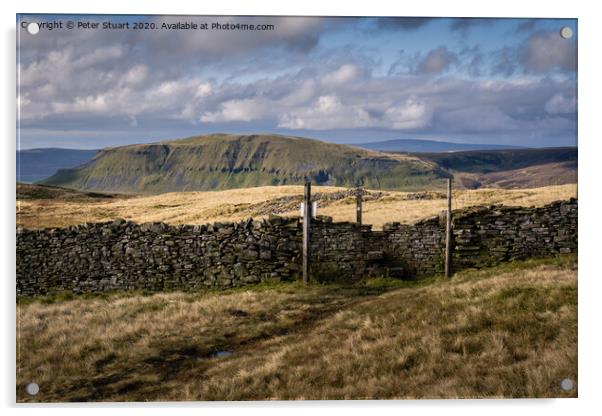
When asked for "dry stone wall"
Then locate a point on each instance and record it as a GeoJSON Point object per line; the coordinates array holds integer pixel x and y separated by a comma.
{"type": "Point", "coordinates": [126, 256]}
{"type": "Point", "coordinates": [415, 250]}
{"type": "Point", "coordinates": [122, 255]}
{"type": "Point", "coordinates": [338, 250]}
{"type": "Point", "coordinates": [485, 236]}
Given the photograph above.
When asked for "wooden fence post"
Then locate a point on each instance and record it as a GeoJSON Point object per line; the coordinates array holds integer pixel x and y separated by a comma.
{"type": "Point", "coordinates": [358, 206]}
{"type": "Point", "coordinates": [448, 230]}
{"type": "Point", "coordinates": [306, 231]}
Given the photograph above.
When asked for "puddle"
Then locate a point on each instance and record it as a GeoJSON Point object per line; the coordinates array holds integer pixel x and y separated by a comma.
{"type": "Point", "coordinates": [216, 354]}
{"type": "Point", "coordinates": [222, 354]}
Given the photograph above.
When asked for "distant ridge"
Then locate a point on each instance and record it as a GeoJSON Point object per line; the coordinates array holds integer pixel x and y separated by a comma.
{"type": "Point", "coordinates": [33, 165]}
{"type": "Point", "coordinates": [509, 168]}
{"type": "Point", "coordinates": [429, 146]}
{"type": "Point", "coordinates": [223, 161]}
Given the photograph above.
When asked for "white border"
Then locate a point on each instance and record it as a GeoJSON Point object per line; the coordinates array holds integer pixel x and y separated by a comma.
{"type": "Point", "coordinates": [590, 347]}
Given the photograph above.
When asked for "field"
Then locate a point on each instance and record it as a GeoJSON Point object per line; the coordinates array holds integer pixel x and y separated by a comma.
{"type": "Point", "coordinates": [41, 206]}
{"type": "Point", "coordinates": [509, 331]}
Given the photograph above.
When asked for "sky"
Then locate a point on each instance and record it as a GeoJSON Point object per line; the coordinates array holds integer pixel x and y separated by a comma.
{"type": "Point", "coordinates": [344, 80]}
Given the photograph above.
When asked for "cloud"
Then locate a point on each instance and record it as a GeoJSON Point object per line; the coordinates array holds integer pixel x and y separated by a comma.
{"type": "Point", "coordinates": [145, 72]}
{"type": "Point", "coordinates": [472, 60]}
{"type": "Point", "coordinates": [295, 34]}
{"type": "Point", "coordinates": [247, 109]}
{"type": "Point", "coordinates": [483, 119]}
{"type": "Point", "coordinates": [504, 61]}
{"type": "Point", "coordinates": [344, 98]}
{"type": "Point", "coordinates": [463, 24]}
{"type": "Point", "coordinates": [326, 113]}
{"type": "Point", "coordinates": [346, 73]}
{"type": "Point", "coordinates": [90, 104]}
{"type": "Point", "coordinates": [402, 23]}
{"type": "Point", "coordinates": [545, 51]}
{"type": "Point", "coordinates": [561, 104]}
{"type": "Point", "coordinates": [301, 94]}
{"type": "Point", "coordinates": [291, 80]}
{"type": "Point", "coordinates": [135, 76]}
{"type": "Point", "coordinates": [167, 52]}
{"type": "Point", "coordinates": [526, 25]}
{"type": "Point", "coordinates": [410, 114]}
{"type": "Point", "coordinates": [437, 61]}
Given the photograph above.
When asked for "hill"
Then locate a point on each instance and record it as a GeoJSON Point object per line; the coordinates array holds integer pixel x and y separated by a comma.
{"type": "Point", "coordinates": [510, 168]}
{"type": "Point", "coordinates": [33, 165]}
{"type": "Point", "coordinates": [419, 146]}
{"type": "Point", "coordinates": [220, 161]}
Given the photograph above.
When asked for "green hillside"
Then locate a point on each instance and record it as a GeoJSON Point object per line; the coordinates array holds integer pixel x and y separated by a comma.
{"type": "Point", "coordinates": [220, 161]}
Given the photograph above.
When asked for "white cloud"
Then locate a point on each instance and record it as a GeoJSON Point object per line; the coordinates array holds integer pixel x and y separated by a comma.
{"type": "Point", "coordinates": [303, 101]}
{"type": "Point", "coordinates": [236, 110]}
{"type": "Point", "coordinates": [559, 104]}
{"type": "Point", "coordinates": [89, 104]}
{"type": "Point", "coordinates": [96, 57]}
{"type": "Point", "coordinates": [411, 114]}
{"type": "Point", "coordinates": [327, 112]}
{"type": "Point", "coordinates": [302, 94]}
{"type": "Point", "coordinates": [500, 85]}
{"type": "Point", "coordinates": [203, 90]}
{"type": "Point", "coordinates": [343, 75]}
{"type": "Point", "coordinates": [135, 76]}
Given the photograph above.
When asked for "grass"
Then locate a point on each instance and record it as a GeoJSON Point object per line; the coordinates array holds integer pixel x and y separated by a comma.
{"type": "Point", "coordinates": [238, 204]}
{"type": "Point", "coordinates": [509, 331]}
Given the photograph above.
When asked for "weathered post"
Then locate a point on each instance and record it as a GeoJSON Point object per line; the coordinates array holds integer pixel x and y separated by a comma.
{"type": "Point", "coordinates": [306, 230]}
{"type": "Point", "coordinates": [448, 230]}
{"type": "Point", "coordinates": [358, 205]}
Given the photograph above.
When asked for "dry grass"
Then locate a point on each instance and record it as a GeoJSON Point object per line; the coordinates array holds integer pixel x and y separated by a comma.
{"type": "Point", "coordinates": [235, 205]}
{"type": "Point", "coordinates": [509, 331]}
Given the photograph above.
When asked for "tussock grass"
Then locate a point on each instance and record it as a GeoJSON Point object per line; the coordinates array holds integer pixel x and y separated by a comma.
{"type": "Point", "coordinates": [233, 205]}
{"type": "Point", "coordinates": [509, 331]}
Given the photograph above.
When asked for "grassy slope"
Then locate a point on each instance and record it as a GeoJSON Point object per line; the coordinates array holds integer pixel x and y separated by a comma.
{"type": "Point", "coordinates": [26, 191]}
{"type": "Point", "coordinates": [509, 331]}
{"type": "Point", "coordinates": [36, 211]}
{"type": "Point", "coordinates": [511, 168]}
{"type": "Point", "coordinates": [221, 161]}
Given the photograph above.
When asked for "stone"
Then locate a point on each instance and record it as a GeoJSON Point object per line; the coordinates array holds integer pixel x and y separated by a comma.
{"type": "Point", "coordinates": [157, 227]}
{"type": "Point", "coordinates": [250, 254]}
{"type": "Point", "coordinates": [240, 270]}
{"type": "Point", "coordinates": [375, 255]}
{"type": "Point", "coordinates": [227, 259]}
{"type": "Point", "coordinates": [265, 254]}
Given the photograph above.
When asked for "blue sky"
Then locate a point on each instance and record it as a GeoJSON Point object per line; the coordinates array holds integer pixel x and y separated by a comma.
{"type": "Point", "coordinates": [346, 80]}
